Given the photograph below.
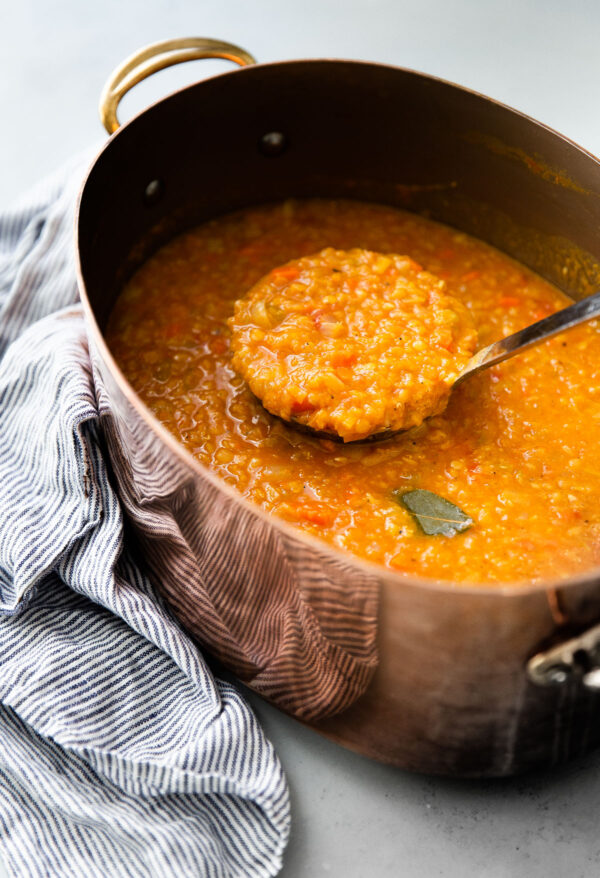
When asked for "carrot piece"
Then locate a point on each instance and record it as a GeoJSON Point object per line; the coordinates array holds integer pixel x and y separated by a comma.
{"type": "Point", "coordinates": [343, 358]}
{"type": "Point", "coordinates": [471, 275]}
{"type": "Point", "coordinates": [316, 516]}
{"type": "Point", "coordinates": [509, 301]}
{"type": "Point", "coordinates": [398, 562]}
{"type": "Point", "coordinates": [286, 272]}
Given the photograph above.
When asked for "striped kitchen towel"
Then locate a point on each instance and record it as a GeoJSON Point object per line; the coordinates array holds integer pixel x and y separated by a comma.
{"type": "Point", "coordinates": [120, 753]}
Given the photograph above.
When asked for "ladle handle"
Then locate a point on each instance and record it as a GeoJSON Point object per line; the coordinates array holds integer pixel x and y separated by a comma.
{"type": "Point", "coordinates": [579, 312]}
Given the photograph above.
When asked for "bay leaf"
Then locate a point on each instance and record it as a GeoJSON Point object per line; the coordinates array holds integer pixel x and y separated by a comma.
{"type": "Point", "coordinates": [434, 514]}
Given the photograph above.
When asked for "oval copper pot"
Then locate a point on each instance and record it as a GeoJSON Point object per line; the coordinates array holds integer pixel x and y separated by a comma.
{"type": "Point", "coordinates": [425, 675]}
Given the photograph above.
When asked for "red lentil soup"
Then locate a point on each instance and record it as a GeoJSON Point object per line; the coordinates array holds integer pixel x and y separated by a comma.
{"type": "Point", "coordinates": [351, 343]}
{"type": "Point", "coordinates": [515, 449]}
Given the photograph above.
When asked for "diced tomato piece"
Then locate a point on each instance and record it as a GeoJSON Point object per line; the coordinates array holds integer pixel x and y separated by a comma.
{"type": "Point", "coordinates": [470, 275]}
{"type": "Point", "coordinates": [299, 407]}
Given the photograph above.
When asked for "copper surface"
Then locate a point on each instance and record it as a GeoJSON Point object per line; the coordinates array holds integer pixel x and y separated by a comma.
{"type": "Point", "coordinates": [426, 675]}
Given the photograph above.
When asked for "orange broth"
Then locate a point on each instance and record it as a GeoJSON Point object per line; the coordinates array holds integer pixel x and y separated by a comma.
{"type": "Point", "coordinates": [515, 448]}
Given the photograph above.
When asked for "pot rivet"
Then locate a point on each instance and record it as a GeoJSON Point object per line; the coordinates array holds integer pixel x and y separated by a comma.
{"type": "Point", "coordinates": [273, 143]}
{"type": "Point", "coordinates": [153, 192]}
{"type": "Point", "coordinates": [558, 673]}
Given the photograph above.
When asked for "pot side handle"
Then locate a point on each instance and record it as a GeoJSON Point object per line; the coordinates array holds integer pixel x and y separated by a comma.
{"type": "Point", "coordinates": [157, 56]}
{"type": "Point", "coordinates": [574, 660]}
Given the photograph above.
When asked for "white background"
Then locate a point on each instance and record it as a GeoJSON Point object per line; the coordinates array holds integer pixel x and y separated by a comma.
{"type": "Point", "coordinates": [351, 818]}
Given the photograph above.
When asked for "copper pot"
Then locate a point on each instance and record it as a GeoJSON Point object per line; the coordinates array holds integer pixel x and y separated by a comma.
{"type": "Point", "coordinates": [426, 675]}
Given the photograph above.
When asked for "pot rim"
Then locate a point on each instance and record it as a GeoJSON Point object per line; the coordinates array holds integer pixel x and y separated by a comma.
{"type": "Point", "coordinates": [513, 589]}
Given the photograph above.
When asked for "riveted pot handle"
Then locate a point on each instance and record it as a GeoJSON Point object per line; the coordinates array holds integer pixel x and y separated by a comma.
{"type": "Point", "coordinates": [573, 660]}
{"type": "Point", "coordinates": [146, 61]}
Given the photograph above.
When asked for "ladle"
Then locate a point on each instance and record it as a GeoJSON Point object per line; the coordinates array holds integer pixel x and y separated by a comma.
{"type": "Point", "coordinates": [573, 315]}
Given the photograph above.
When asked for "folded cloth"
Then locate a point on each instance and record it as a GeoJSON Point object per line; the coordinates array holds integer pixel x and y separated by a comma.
{"type": "Point", "coordinates": [120, 753]}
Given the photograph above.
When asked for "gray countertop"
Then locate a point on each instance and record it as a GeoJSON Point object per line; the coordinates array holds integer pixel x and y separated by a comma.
{"type": "Point", "coordinates": [351, 817]}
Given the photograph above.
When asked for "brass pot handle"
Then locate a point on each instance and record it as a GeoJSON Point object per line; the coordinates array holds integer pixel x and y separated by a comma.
{"type": "Point", "coordinates": [155, 57]}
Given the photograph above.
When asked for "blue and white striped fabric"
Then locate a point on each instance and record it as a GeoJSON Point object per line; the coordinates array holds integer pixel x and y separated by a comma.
{"type": "Point", "coordinates": [120, 753]}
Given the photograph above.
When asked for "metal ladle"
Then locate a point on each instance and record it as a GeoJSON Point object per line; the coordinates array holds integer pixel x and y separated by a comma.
{"type": "Point", "coordinates": [573, 315]}
{"type": "Point", "coordinates": [579, 312]}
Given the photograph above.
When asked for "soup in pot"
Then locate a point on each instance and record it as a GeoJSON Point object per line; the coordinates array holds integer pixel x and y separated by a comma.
{"type": "Point", "coordinates": [501, 486]}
